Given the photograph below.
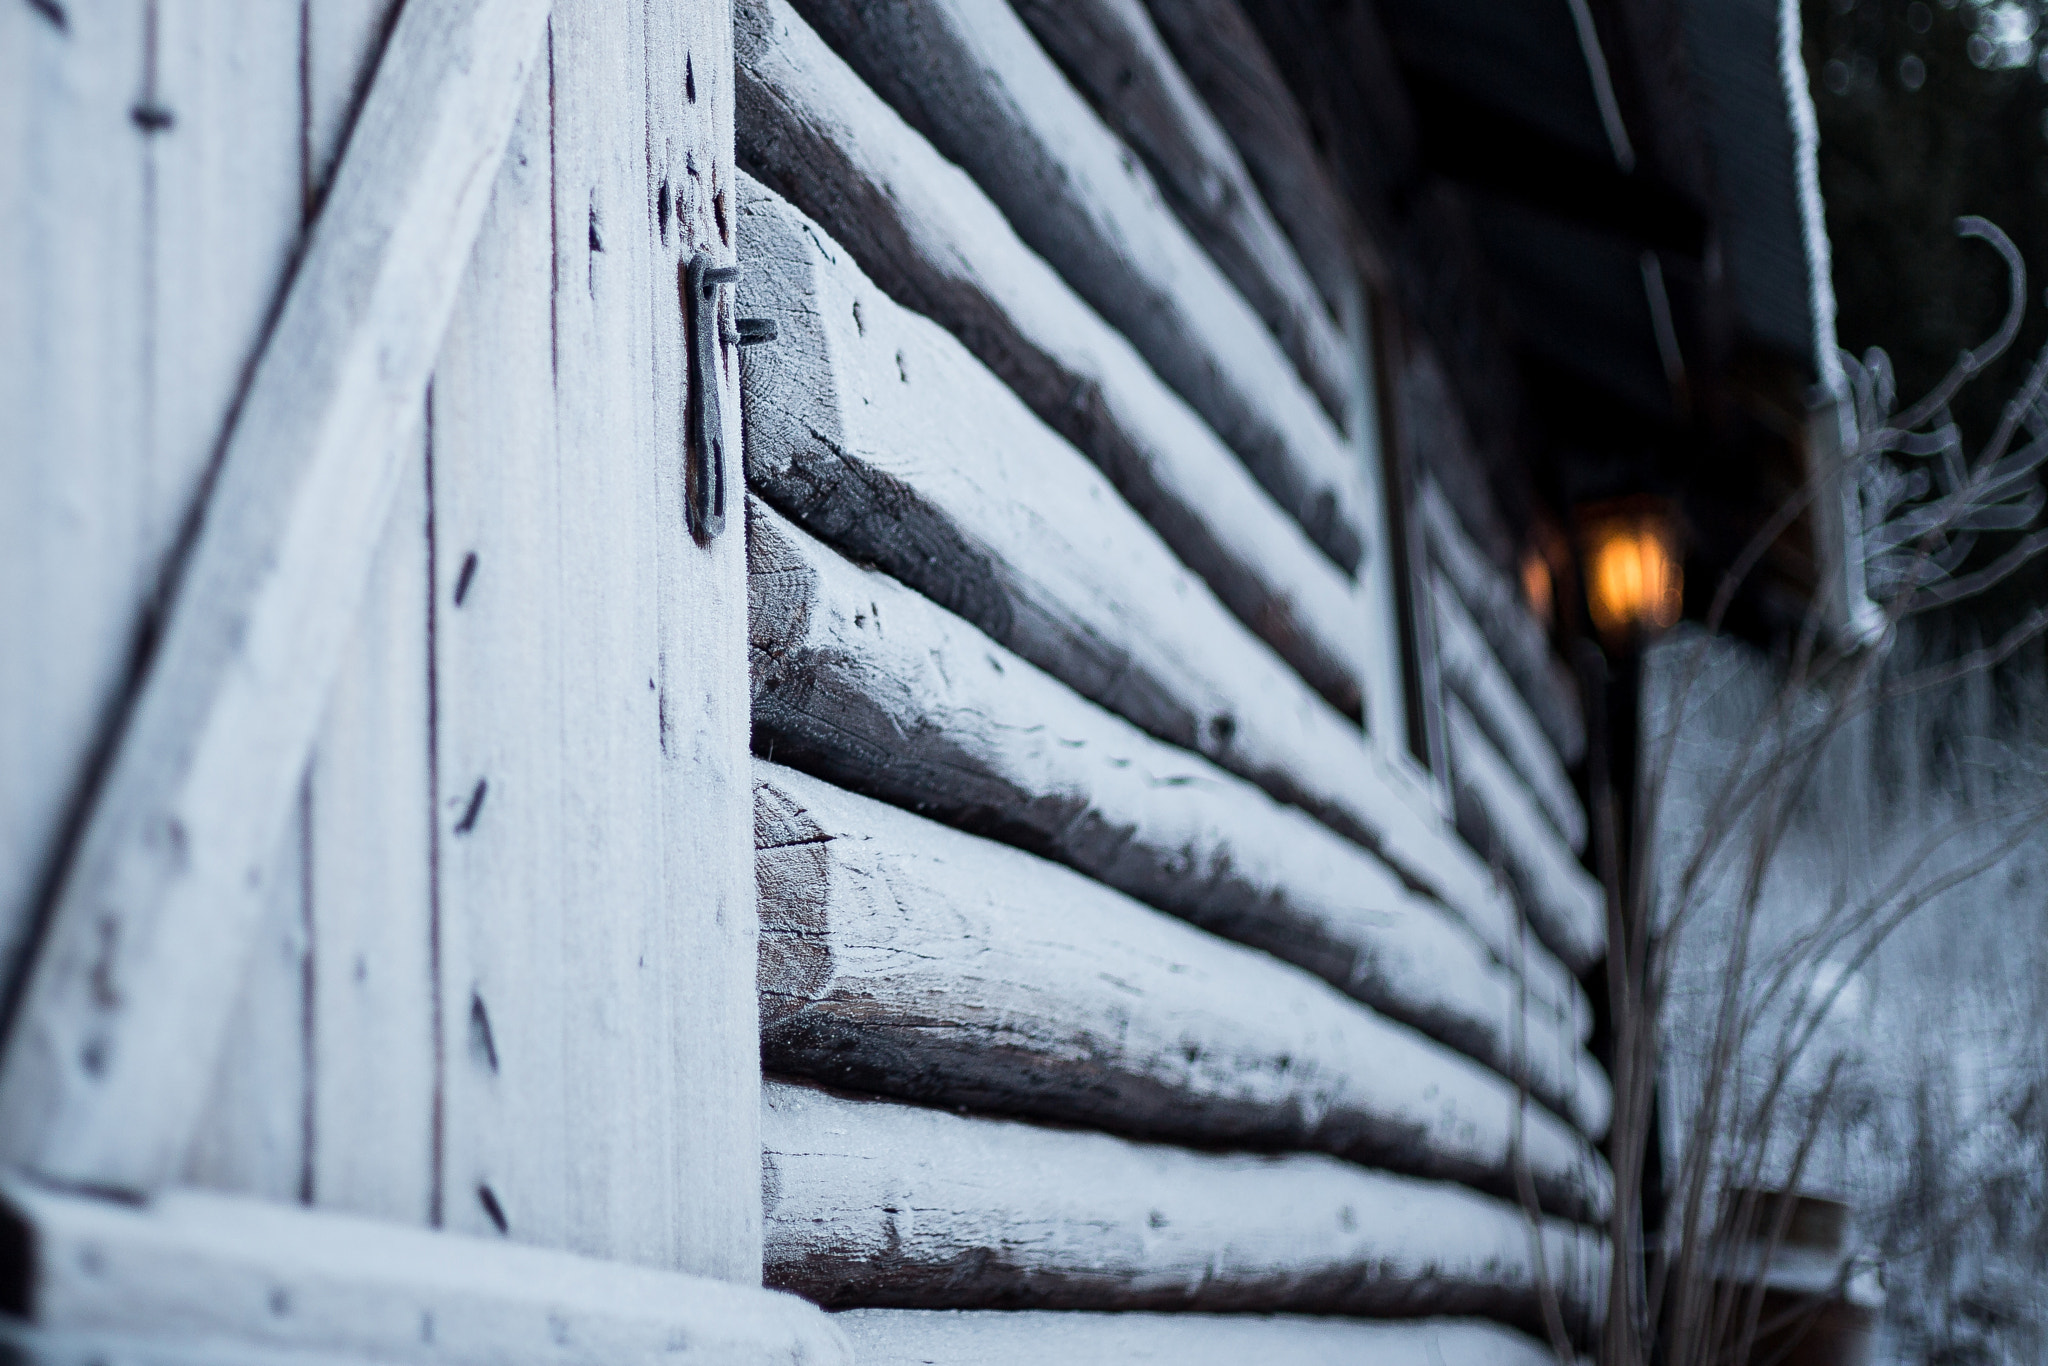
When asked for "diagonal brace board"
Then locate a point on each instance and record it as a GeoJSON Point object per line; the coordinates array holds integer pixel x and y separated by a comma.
{"type": "Point", "coordinates": [114, 1038]}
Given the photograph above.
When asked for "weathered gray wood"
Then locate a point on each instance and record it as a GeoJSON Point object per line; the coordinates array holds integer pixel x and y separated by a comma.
{"type": "Point", "coordinates": [966, 1337]}
{"type": "Point", "coordinates": [1496, 607]}
{"type": "Point", "coordinates": [594, 802]}
{"type": "Point", "coordinates": [25, 1346]}
{"type": "Point", "coordinates": [1224, 58]}
{"type": "Point", "coordinates": [1110, 49]}
{"type": "Point", "coordinates": [909, 960]}
{"type": "Point", "coordinates": [877, 1204]}
{"type": "Point", "coordinates": [369, 831]}
{"type": "Point", "coordinates": [252, 1136]}
{"type": "Point", "coordinates": [1565, 904]}
{"type": "Point", "coordinates": [1468, 665]}
{"type": "Point", "coordinates": [873, 428]}
{"type": "Point", "coordinates": [74, 566]}
{"type": "Point", "coordinates": [123, 1015]}
{"type": "Point", "coordinates": [924, 232]}
{"type": "Point", "coordinates": [264, 1277]}
{"type": "Point", "coordinates": [843, 434]}
{"type": "Point", "coordinates": [370, 817]}
{"type": "Point", "coordinates": [969, 77]}
{"type": "Point", "coordinates": [868, 684]}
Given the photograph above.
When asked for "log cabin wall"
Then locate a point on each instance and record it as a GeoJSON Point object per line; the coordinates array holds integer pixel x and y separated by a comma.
{"type": "Point", "coordinates": [1163, 845]}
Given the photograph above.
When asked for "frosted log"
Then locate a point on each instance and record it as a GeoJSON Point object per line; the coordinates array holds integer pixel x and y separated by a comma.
{"type": "Point", "coordinates": [969, 76]}
{"type": "Point", "coordinates": [922, 231]}
{"type": "Point", "coordinates": [1008, 117]}
{"type": "Point", "coordinates": [874, 1204]}
{"type": "Point", "coordinates": [1112, 52]}
{"type": "Point", "coordinates": [116, 1036]}
{"type": "Point", "coordinates": [1467, 663]}
{"type": "Point", "coordinates": [1223, 56]}
{"type": "Point", "coordinates": [266, 1277]}
{"type": "Point", "coordinates": [1517, 641]}
{"type": "Point", "coordinates": [1566, 906]}
{"type": "Point", "coordinates": [965, 1337]}
{"type": "Point", "coordinates": [865, 683]}
{"type": "Point", "coordinates": [906, 959]}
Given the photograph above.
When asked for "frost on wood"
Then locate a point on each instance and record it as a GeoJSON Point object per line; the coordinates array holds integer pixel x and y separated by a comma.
{"type": "Point", "coordinates": [1114, 55]}
{"type": "Point", "coordinates": [216, 1269]}
{"type": "Point", "coordinates": [925, 234]}
{"type": "Point", "coordinates": [968, 75]}
{"type": "Point", "coordinates": [907, 959]}
{"type": "Point", "coordinates": [1565, 904]}
{"type": "Point", "coordinates": [965, 1337]}
{"type": "Point", "coordinates": [865, 683]}
{"type": "Point", "coordinates": [871, 1203]}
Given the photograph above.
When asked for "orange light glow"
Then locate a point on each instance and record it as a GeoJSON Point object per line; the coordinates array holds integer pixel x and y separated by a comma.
{"type": "Point", "coordinates": [1537, 590]}
{"type": "Point", "coordinates": [1634, 582]}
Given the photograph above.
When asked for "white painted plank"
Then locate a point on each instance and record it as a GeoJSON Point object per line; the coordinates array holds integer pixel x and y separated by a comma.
{"type": "Point", "coordinates": [594, 804]}
{"type": "Point", "coordinates": [123, 1015]}
{"type": "Point", "coordinates": [967, 1337]}
{"type": "Point", "coordinates": [343, 40]}
{"type": "Point", "coordinates": [1226, 61]}
{"type": "Point", "coordinates": [74, 562]}
{"type": "Point", "coordinates": [1114, 55]}
{"type": "Point", "coordinates": [876, 431]}
{"type": "Point", "coordinates": [253, 1132]}
{"type": "Point", "coordinates": [869, 685]}
{"type": "Point", "coordinates": [188, 1266]}
{"type": "Point", "coordinates": [370, 827]}
{"type": "Point", "coordinates": [1496, 607]}
{"type": "Point", "coordinates": [1566, 905]}
{"type": "Point", "coordinates": [969, 76]}
{"type": "Point", "coordinates": [924, 232]}
{"type": "Point", "coordinates": [909, 960]}
{"type": "Point", "coordinates": [40, 1347]}
{"type": "Point", "coordinates": [1469, 667]}
{"type": "Point", "coordinates": [874, 1204]}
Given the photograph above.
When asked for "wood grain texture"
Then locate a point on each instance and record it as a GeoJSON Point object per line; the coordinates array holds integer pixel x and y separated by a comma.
{"type": "Point", "coordinates": [1227, 63]}
{"type": "Point", "coordinates": [1114, 56]}
{"type": "Point", "coordinates": [1565, 904]}
{"type": "Point", "coordinates": [594, 805]}
{"type": "Point", "coordinates": [906, 959]}
{"type": "Point", "coordinates": [874, 1204]}
{"type": "Point", "coordinates": [123, 1015]}
{"type": "Point", "coordinates": [369, 837]}
{"type": "Point", "coordinates": [966, 1337]}
{"type": "Point", "coordinates": [923, 231]}
{"type": "Point", "coordinates": [1496, 607]}
{"type": "Point", "coordinates": [1468, 665]}
{"type": "Point", "coordinates": [867, 684]}
{"type": "Point", "coordinates": [188, 1267]}
{"type": "Point", "coordinates": [41, 1347]}
{"type": "Point", "coordinates": [970, 77]}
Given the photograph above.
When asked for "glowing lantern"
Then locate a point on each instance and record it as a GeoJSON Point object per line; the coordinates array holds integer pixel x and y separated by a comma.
{"type": "Point", "coordinates": [1634, 582]}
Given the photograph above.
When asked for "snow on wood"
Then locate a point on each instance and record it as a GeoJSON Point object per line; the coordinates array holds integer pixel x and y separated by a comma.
{"type": "Point", "coordinates": [594, 801]}
{"type": "Point", "coordinates": [1496, 607]}
{"type": "Point", "coordinates": [903, 958]}
{"type": "Point", "coordinates": [1112, 52]}
{"type": "Point", "coordinates": [877, 433]}
{"type": "Point", "coordinates": [923, 231]}
{"type": "Point", "coordinates": [968, 75]}
{"type": "Point", "coordinates": [1029, 1337]}
{"type": "Point", "coordinates": [866, 683]}
{"type": "Point", "coordinates": [875, 1204]}
{"type": "Point", "coordinates": [1224, 58]}
{"type": "Point", "coordinates": [1566, 906]}
{"type": "Point", "coordinates": [1467, 663]}
{"type": "Point", "coordinates": [186, 1267]}
{"type": "Point", "coordinates": [122, 1018]}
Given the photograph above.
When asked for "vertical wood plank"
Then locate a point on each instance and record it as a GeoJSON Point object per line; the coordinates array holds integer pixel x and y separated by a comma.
{"type": "Point", "coordinates": [595, 816]}
{"type": "Point", "coordinates": [74, 231]}
{"type": "Point", "coordinates": [370, 887]}
{"type": "Point", "coordinates": [228, 181]}
{"type": "Point", "coordinates": [370, 816]}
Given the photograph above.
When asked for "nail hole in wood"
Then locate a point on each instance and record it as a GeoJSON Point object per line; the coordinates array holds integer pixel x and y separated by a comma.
{"type": "Point", "coordinates": [462, 579]}
{"type": "Point", "coordinates": [489, 1200]}
{"type": "Point", "coordinates": [481, 1044]}
{"type": "Point", "coordinates": [152, 118]}
{"type": "Point", "coordinates": [53, 12]}
{"type": "Point", "coordinates": [476, 805]}
{"type": "Point", "coordinates": [689, 79]}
